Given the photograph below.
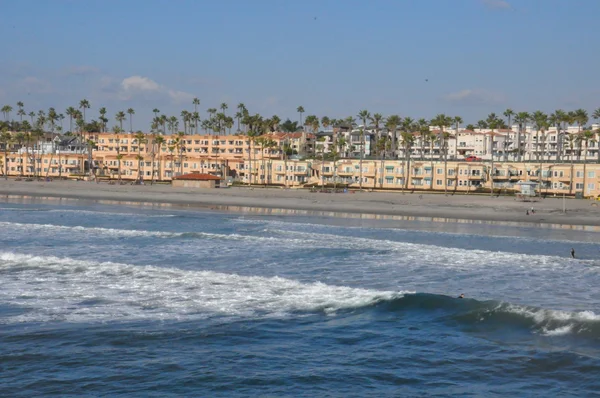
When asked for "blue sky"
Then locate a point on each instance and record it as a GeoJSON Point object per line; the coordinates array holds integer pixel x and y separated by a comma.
{"type": "Point", "coordinates": [332, 57]}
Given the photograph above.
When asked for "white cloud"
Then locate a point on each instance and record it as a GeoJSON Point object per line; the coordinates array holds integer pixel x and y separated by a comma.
{"type": "Point", "coordinates": [143, 86]}
{"type": "Point", "coordinates": [474, 97]}
{"type": "Point", "coordinates": [180, 96]}
{"type": "Point", "coordinates": [497, 4]}
{"type": "Point", "coordinates": [139, 83]}
{"type": "Point", "coordinates": [32, 84]}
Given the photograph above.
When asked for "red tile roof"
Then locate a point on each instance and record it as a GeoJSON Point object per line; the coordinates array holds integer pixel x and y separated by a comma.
{"type": "Point", "coordinates": [197, 177]}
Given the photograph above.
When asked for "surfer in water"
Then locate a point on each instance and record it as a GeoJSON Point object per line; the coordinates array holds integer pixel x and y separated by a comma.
{"type": "Point", "coordinates": [572, 252]}
{"type": "Point", "coordinates": [462, 295]}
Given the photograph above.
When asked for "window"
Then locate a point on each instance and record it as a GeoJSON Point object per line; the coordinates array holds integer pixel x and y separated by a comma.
{"type": "Point", "coordinates": [449, 183]}
{"type": "Point", "coordinates": [590, 186]}
{"type": "Point", "coordinates": [438, 182]}
{"type": "Point", "coordinates": [591, 174]}
{"type": "Point", "coordinates": [440, 171]}
{"type": "Point", "coordinates": [579, 185]}
{"type": "Point", "coordinates": [579, 174]}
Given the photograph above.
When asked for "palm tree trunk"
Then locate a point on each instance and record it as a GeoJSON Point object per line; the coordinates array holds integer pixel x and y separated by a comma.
{"type": "Point", "coordinates": [492, 166]}
{"type": "Point", "coordinates": [431, 164]}
{"type": "Point", "coordinates": [362, 152]}
{"type": "Point", "coordinates": [445, 167]}
{"type": "Point", "coordinates": [407, 171]}
{"type": "Point", "coordinates": [584, 166]}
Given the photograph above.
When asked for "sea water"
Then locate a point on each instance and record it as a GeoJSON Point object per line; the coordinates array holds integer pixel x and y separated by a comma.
{"type": "Point", "coordinates": [103, 300]}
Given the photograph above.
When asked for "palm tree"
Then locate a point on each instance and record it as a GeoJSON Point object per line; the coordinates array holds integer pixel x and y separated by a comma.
{"type": "Point", "coordinates": [376, 120]}
{"type": "Point", "coordinates": [255, 126]}
{"type": "Point", "coordinates": [596, 116]}
{"type": "Point", "coordinates": [493, 122]}
{"type": "Point", "coordinates": [540, 120]}
{"type": "Point", "coordinates": [423, 128]}
{"type": "Point", "coordinates": [585, 136]}
{"type": "Point", "coordinates": [408, 139]}
{"type": "Point", "coordinates": [119, 117]}
{"type": "Point", "coordinates": [6, 139]}
{"type": "Point", "coordinates": [160, 142]}
{"type": "Point", "coordinates": [581, 118]}
{"type": "Point", "coordinates": [555, 120]}
{"type": "Point", "coordinates": [84, 104]}
{"type": "Point", "coordinates": [363, 115]}
{"type": "Point", "coordinates": [7, 109]}
{"type": "Point", "coordinates": [21, 112]}
{"type": "Point", "coordinates": [224, 107]}
{"type": "Point", "coordinates": [521, 119]}
{"type": "Point", "coordinates": [300, 110]}
{"type": "Point", "coordinates": [31, 115]}
{"type": "Point", "coordinates": [509, 113]}
{"type": "Point", "coordinates": [141, 139]}
{"type": "Point", "coordinates": [102, 119]}
{"type": "Point", "coordinates": [196, 102]}
{"type": "Point", "coordinates": [20, 138]}
{"type": "Point", "coordinates": [131, 112]}
{"type": "Point", "coordinates": [457, 122]}
{"type": "Point", "coordinates": [71, 114]}
{"type": "Point", "coordinates": [391, 124]}
{"type": "Point", "coordinates": [442, 121]}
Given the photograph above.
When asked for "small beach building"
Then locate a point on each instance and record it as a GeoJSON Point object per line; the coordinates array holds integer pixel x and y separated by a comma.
{"type": "Point", "coordinates": [527, 190]}
{"type": "Point", "coordinates": [197, 180]}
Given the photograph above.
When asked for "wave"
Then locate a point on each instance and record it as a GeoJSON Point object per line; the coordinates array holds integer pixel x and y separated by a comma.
{"type": "Point", "coordinates": [87, 212]}
{"type": "Point", "coordinates": [497, 316]}
{"type": "Point", "coordinates": [412, 253]}
{"type": "Point", "coordinates": [114, 232]}
{"type": "Point", "coordinates": [330, 227]}
{"type": "Point", "coordinates": [71, 290]}
{"type": "Point", "coordinates": [54, 289]}
{"type": "Point", "coordinates": [431, 254]}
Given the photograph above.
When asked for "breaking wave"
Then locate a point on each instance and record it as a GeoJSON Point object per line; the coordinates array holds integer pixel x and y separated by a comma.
{"type": "Point", "coordinates": [64, 289]}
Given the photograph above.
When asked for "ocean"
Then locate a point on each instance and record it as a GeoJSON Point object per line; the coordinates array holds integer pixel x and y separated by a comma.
{"type": "Point", "coordinates": [101, 299]}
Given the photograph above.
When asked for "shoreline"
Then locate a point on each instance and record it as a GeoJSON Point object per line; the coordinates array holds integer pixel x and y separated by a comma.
{"type": "Point", "coordinates": [418, 205]}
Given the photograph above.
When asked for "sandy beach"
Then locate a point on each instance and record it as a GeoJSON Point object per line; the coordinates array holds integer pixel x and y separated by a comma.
{"type": "Point", "coordinates": [468, 207]}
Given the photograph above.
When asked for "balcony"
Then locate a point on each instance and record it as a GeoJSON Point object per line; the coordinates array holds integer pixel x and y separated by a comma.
{"type": "Point", "coordinates": [476, 177]}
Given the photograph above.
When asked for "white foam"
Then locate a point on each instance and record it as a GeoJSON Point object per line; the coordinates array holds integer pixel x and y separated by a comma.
{"type": "Point", "coordinates": [560, 331]}
{"type": "Point", "coordinates": [426, 254]}
{"type": "Point", "coordinates": [52, 228]}
{"type": "Point", "coordinates": [541, 316]}
{"type": "Point", "coordinates": [64, 289]}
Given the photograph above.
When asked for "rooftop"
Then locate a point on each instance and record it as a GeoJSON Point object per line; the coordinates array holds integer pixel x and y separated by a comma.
{"type": "Point", "coordinates": [197, 177]}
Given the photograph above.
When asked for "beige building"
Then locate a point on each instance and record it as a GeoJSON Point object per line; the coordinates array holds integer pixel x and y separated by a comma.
{"type": "Point", "coordinates": [251, 161]}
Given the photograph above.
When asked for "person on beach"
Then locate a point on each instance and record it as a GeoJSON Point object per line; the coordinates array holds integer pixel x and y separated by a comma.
{"type": "Point", "coordinates": [526, 212]}
{"type": "Point", "coordinates": [572, 252]}
{"type": "Point", "coordinates": [462, 295]}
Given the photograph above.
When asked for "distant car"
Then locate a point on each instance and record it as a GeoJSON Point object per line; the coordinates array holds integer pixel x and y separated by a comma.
{"type": "Point", "coordinates": [472, 159]}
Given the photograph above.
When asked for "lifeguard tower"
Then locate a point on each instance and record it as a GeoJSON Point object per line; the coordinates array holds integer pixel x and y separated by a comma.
{"type": "Point", "coordinates": [527, 191]}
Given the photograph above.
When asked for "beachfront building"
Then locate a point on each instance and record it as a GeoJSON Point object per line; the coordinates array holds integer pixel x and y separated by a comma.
{"type": "Point", "coordinates": [158, 157]}
{"type": "Point", "coordinates": [328, 158]}
{"type": "Point", "coordinates": [431, 175]}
